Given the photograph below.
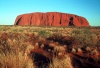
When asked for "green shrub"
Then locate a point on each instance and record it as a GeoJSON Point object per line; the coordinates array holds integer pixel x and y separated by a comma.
{"type": "Point", "coordinates": [44, 33]}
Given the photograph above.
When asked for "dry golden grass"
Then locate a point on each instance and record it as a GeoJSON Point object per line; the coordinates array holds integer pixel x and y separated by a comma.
{"type": "Point", "coordinates": [14, 54]}
{"type": "Point", "coordinates": [16, 42]}
{"type": "Point", "coordinates": [12, 60]}
{"type": "Point", "coordinates": [61, 63]}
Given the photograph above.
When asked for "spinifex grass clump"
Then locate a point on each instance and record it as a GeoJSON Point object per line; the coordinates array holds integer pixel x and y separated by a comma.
{"type": "Point", "coordinates": [13, 52]}
{"type": "Point", "coordinates": [12, 60]}
{"type": "Point", "coordinates": [61, 63]}
{"type": "Point", "coordinates": [15, 56]}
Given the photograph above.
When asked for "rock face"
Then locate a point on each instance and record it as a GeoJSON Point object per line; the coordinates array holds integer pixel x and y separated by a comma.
{"type": "Point", "coordinates": [51, 19]}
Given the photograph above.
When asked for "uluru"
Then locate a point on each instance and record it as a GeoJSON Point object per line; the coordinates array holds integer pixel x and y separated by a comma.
{"type": "Point", "coordinates": [51, 19]}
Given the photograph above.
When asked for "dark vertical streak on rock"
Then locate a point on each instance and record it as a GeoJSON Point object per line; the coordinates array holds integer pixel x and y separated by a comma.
{"type": "Point", "coordinates": [41, 19]}
{"type": "Point", "coordinates": [81, 21]}
{"type": "Point", "coordinates": [60, 19]}
{"type": "Point", "coordinates": [52, 20]}
{"type": "Point", "coordinates": [31, 20]}
{"type": "Point", "coordinates": [47, 23]}
{"type": "Point", "coordinates": [71, 22]}
{"type": "Point", "coordinates": [17, 23]}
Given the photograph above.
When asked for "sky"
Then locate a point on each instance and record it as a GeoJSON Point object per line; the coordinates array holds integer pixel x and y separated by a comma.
{"type": "Point", "coordinates": [10, 9]}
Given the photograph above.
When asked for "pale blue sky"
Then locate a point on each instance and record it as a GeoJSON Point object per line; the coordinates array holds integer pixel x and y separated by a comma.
{"type": "Point", "coordinates": [10, 9]}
